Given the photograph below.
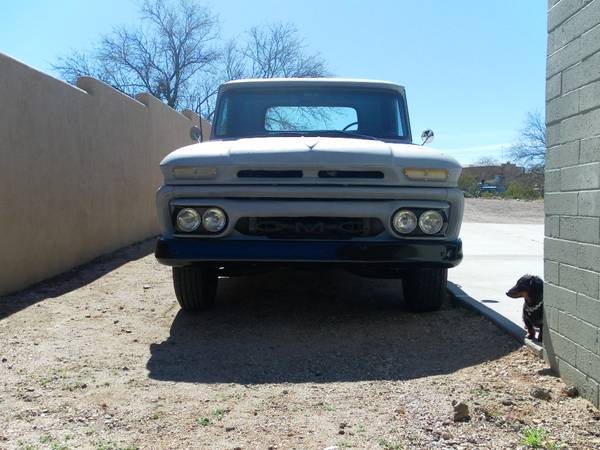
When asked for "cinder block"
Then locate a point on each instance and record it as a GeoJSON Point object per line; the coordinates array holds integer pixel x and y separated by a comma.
{"type": "Point", "coordinates": [562, 11]}
{"type": "Point", "coordinates": [580, 126]}
{"type": "Point", "coordinates": [584, 176]}
{"type": "Point", "coordinates": [581, 74]}
{"type": "Point", "coordinates": [588, 388]}
{"type": "Point", "coordinates": [590, 40]}
{"type": "Point", "coordinates": [552, 181]}
{"type": "Point", "coordinates": [578, 331]}
{"type": "Point", "coordinates": [561, 203]}
{"type": "Point", "coordinates": [564, 57]}
{"type": "Point", "coordinates": [561, 251]}
{"type": "Point", "coordinates": [560, 298]}
{"type": "Point", "coordinates": [562, 347]}
{"type": "Point", "coordinates": [553, 135]}
{"type": "Point", "coordinates": [579, 280]}
{"type": "Point", "coordinates": [553, 85]}
{"type": "Point", "coordinates": [551, 271]}
{"type": "Point", "coordinates": [589, 150]}
{"type": "Point", "coordinates": [589, 95]}
{"type": "Point", "coordinates": [552, 226]}
{"type": "Point", "coordinates": [551, 317]}
{"type": "Point", "coordinates": [589, 203]}
{"type": "Point", "coordinates": [557, 38]}
{"type": "Point", "coordinates": [580, 229]}
{"type": "Point", "coordinates": [575, 26]}
{"type": "Point", "coordinates": [588, 309]}
{"type": "Point", "coordinates": [588, 257]}
{"type": "Point", "coordinates": [588, 363]}
{"type": "Point", "coordinates": [562, 155]}
{"type": "Point", "coordinates": [562, 107]}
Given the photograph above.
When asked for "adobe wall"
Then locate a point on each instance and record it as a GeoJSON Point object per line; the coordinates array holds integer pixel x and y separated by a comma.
{"type": "Point", "coordinates": [79, 166]}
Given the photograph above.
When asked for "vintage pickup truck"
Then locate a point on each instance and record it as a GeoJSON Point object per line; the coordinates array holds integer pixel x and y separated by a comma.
{"type": "Point", "coordinates": [311, 173]}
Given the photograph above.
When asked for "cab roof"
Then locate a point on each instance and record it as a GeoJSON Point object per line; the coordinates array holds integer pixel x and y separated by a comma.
{"type": "Point", "coordinates": [312, 82]}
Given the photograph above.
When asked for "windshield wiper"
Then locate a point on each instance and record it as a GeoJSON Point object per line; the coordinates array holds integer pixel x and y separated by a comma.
{"type": "Point", "coordinates": [326, 133]}
{"type": "Point", "coordinates": [350, 134]}
{"type": "Point", "coordinates": [279, 134]}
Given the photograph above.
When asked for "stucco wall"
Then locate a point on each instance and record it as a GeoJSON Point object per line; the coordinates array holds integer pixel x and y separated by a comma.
{"type": "Point", "coordinates": [572, 244]}
{"type": "Point", "coordinates": [78, 170]}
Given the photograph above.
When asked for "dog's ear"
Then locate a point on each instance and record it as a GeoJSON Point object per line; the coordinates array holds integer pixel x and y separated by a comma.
{"type": "Point", "coordinates": [537, 287]}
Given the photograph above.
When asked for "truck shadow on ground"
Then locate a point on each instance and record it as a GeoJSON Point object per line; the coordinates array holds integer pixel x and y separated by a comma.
{"type": "Point", "coordinates": [74, 278]}
{"type": "Point", "coordinates": [320, 327]}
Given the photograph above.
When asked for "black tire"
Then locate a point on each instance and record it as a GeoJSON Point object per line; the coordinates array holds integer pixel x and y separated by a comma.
{"type": "Point", "coordinates": [425, 289]}
{"type": "Point", "coordinates": [195, 287]}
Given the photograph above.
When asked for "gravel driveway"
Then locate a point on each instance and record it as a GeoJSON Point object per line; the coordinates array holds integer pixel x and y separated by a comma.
{"type": "Point", "coordinates": [102, 358]}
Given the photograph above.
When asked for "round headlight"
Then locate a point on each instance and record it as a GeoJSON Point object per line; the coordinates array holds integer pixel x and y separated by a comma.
{"type": "Point", "coordinates": [404, 221]}
{"type": "Point", "coordinates": [188, 220]}
{"type": "Point", "coordinates": [431, 222]}
{"type": "Point", "coordinates": [214, 220]}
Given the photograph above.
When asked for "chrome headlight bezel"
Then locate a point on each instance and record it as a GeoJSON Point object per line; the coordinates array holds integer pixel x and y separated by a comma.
{"type": "Point", "coordinates": [425, 222]}
{"type": "Point", "coordinates": [419, 226]}
{"type": "Point", "coordinates": [203, 223]}
{"type": "Point", "coordinates": [407, 215]}
{"type": "Point", "coordinates": [209, 223]}
{"type": "Point", "coordinates": [190, 214]}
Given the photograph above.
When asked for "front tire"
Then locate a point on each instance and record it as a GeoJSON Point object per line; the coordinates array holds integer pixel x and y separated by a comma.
{"type": "Point", "coordinates": [425, 289]}
{"type": "Point", "coordinates": [195, 287]}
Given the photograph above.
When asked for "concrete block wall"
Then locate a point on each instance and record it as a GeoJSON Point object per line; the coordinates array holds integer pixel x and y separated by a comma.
{"type": "Point", "coordinates": [572, 199]}
{"type": "Point", "coordinates": [79, 166]}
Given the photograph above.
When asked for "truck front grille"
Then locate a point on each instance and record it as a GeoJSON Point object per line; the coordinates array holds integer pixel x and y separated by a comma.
{"type": "Point", "coordinates": [335, 174]}
{"type": "Point", "coordinates": [350, 174]}
{"type": "Point", "coordinates": [309, 227]}
{"type": "Point", "coordinates": [269, 174]}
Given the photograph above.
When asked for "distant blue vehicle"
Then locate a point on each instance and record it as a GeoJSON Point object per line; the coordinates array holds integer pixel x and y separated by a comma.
{"type": "Point", "coordinates": [484, 187]}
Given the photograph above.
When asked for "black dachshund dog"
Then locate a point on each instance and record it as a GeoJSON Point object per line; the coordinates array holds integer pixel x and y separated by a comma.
{"type": "Point", "coordinates": [531, 288]}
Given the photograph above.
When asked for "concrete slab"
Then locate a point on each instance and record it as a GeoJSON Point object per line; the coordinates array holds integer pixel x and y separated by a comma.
{"type": "Point", "coordinates": [495, 256]}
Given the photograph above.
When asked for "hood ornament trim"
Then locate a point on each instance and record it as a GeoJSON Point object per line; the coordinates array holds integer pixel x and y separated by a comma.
{"type": "Point", "coordinates": [310, 142]}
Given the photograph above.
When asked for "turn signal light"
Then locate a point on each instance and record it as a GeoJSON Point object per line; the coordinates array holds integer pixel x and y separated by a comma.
{"type": "Point", "coordinates": [427, 174]}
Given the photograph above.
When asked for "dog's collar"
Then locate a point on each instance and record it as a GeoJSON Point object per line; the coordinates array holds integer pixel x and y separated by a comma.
{"type": "Point", "coordinates": [531, 309]}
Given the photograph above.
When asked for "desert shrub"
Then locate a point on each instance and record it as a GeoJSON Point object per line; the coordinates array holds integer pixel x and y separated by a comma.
{"type": "Point", "coordinates": [469, 184]}
{"type": "Point", "coordinates": [523, 191]}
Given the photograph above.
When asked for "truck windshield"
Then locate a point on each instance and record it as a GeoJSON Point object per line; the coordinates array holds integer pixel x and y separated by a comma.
{"type": "Point", "coordinates": [316, 111]}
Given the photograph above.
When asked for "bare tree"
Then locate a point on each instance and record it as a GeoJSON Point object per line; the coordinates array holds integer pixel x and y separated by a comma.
{"type": "Point", "coordinates": [486, 161]}
{"type": "Point", "coordinates": [276, 50]}
{"type": "Point", "coordinates": [165, 56]}
{"type": "Point", "coordinates": [176, 57]}
{"type": "Point", "coordinates": [231, 66]}
{"type": "Point", "coordinates": [530, 147]}
{"type": "Point", "coordinates": [265, 51]}
{"type": "Point", "coordinates": [233, 62]}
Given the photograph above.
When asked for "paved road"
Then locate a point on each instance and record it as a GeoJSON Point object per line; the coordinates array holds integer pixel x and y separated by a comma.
{"type": "Point", "coordinates": [495, 256]}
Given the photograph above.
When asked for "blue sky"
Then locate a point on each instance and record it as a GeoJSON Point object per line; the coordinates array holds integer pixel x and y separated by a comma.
{"type": "Point", "coordinates": [472, 68]}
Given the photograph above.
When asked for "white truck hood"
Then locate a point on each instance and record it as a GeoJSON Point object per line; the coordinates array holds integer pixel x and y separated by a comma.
{"type": "Point", "coordinates": [303, 160]}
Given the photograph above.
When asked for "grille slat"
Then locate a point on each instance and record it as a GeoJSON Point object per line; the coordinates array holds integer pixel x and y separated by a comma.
{"type": "Point", "coordinates": [335, 174]}
{"type": "Point", "coordinates": [350, 174]}
{"type": "Point", "coordinates": [269, 174]}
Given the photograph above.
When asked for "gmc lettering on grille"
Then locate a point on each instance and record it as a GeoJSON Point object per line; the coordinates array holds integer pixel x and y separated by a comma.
{"type": "Point", "coordinates": [262, 226]}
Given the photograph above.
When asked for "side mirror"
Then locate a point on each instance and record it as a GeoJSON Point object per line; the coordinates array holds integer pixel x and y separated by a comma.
{"type": "Point", "coordinates": [196, 133]}
{"type": "Point", "coordinates": [427, 136]}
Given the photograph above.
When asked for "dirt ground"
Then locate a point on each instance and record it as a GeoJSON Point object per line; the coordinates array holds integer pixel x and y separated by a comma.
{"type": "Point", "coordinates": [489, 210]}
{"type": "Point", "coordinates": [103, 358]}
